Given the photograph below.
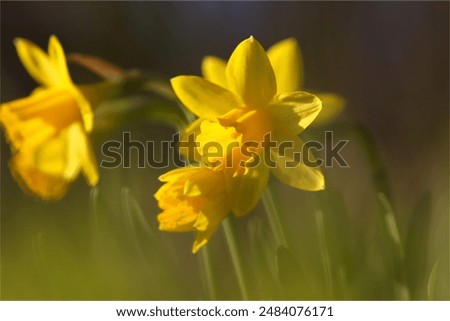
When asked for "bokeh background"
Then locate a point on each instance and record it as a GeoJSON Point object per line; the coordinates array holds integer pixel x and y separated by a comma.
{"type": "Point", "coordinates": [389, 60]}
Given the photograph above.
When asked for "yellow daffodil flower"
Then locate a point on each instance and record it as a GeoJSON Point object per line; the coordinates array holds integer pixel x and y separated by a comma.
{"type": "Point", "coordinates": [192, 199]}
{"type": "Point", "coordinates": [48, 130]}
{"type": "Point", "coordinates": [287, 62]}
{"type": "Point", "coordinates": [246, 108]}
{"type": "Point", "coordinates": [199, 198]}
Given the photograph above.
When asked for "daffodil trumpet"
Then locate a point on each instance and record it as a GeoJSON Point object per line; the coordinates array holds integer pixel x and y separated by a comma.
{"type": "Point", "coordinates": [192, 199]}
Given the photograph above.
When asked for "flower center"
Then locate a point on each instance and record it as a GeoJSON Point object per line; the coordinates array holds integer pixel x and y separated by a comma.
{"type": "Point", "coordinates": [254, 124]}
{"type": "Point", "coordinates": [239, 134]}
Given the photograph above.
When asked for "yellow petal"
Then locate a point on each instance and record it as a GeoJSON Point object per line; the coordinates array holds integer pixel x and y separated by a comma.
{"type": "Point", "coordinates": [180, 174]}
{"type": "Point", "coordinates": [187, 147]}
{"type": "Point", "coordinates": [250, 75]}
{"type": "Point", "coordinates": [56, 157]}
{"type": "Point", "coordinates": [214, 70]}
{"type": "Point", "coordinates": [192, 189]}
{"type": "Point", "coordinates": [50, 70]}
{"type": "Point", "coordinates": [82, 151]}
{"type": "Point", "coordinates": [85, 109]}
{"type": "Point", "coordinates": [216, 142]}
{"type": "Point", "coordinates": [35, 130]}
{"type": "Point", "coordinates": [332, 106]}
{"type": "Point", "coordinates": [245, 190]}
{"type": "Point", "coordinates": [291, 113]}
{"type": "Point", "coordinates": [45, 111]}
{"type": "Point", "coordinates": [37, 63]}
{"type": "Point", "coordinates": [89, 166]}
{"type": "Point", "coordinates": [35, 182]}
{"type": "Point", "coordinates": [202, 97]}
{"type": "Point", "coordinates": [58, 59]}
{"type": "Point", "coordinates": [202, 222]}
{"type": "Point", "coordinates": [286, 59]}
{"type": "Point", "coordinates": [179, 212]}
{"type": "Point", "coordinates": [203, 182]}
{"type": "Point", "coordinates": [178, 218]}
{"type": "Point", "coordinates": [212, 215]}
{"type": "Point", "coordinates": [299, 176]}
{"type": "Point", "coordinates": [254, 124]}
{"type": "Point", "coordinates": [66, 154]}
{"type": "Point", "coordinates": [46, 163]}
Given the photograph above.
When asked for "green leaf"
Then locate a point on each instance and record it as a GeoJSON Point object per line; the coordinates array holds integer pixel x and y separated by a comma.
{"type": "Point", "coordinates": [431, 284]}
{"type": "Point", "coordinates": [391, 223]}
{"type": "Point", "coordinates": [417, 246]}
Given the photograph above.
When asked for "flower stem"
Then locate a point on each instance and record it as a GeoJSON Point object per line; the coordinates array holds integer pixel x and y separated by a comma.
{"type": "Point", "coordinates": [208, 276]}
{"type": "Point", "coordinates": [324, 251]}
{"type": "Point", "coordinates": [273, 214]}
{"type": "Point", "coordinates": [236, 259]}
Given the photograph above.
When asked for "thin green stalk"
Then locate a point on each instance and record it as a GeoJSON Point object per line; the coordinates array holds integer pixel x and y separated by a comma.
{"type": "Point", "coordinates": [230, 237]}
{"type": "Point", "coordinates": [93, 202]}
{"type": "Point", "coordinates": [273, 214]}
{"type": "Point", "coordinates": [401, 288]}
{"type": "Point", "coordinates": [324, 251]}
{"type": "Point", "coordinates": [208, 275]}
{"type": "Point", "coordinates": [391, 225]}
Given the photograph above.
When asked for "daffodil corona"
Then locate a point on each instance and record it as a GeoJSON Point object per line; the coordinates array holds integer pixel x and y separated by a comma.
{"type": "Point", "coordinates": [192, 199]}
{"type": "Point", "coordinates": [48, 130]}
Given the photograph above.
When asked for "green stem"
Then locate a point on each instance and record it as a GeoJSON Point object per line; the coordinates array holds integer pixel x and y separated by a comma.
{"type": "Point", "coordinates": [230, 237]}
{"type": "Point", "coordinates": [273, 214]}
{"type": "Point", "coordinates": [208, 276]}
{"type": "Point", "coordinates": [324, 251]}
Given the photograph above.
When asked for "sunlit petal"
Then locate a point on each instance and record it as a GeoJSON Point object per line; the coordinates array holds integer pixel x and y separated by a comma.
{"type": "Point", "coordinates": [250, 75]}
{"type": "Point", "coordinates": [37, 63]}
{"type": "Point", "coordinates": [58, 60]}
{"type": "Point", "coordinates": [245, 190]}
{"type": "Point", "coordinates": [292, 113]}
{"type": "Point", "coordinates": [290, 167]}
{"type": "Point", "coordinates": [202, 97]}
{"type": "Point", "coordinates": [214, 70]}
{"type": "Point", "coordinates": [36, 182]}
{"type": "Point", "coordinates": [287, 63]}
{"type": "Point", "coordinates": [332, 106]}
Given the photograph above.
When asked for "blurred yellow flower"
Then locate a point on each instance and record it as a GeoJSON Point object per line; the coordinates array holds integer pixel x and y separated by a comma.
{"type": "Point", "coordinates": [48, 129]}
{"type": "Point", "coordinates": [246, 107]}
{"type": "Point", "coordinates": [287, 63]}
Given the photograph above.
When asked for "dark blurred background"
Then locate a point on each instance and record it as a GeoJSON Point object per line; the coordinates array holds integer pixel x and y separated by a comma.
{"type": "Point", "coordinates": [389, 60]}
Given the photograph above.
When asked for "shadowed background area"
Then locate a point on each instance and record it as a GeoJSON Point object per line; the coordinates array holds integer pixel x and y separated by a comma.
{"type": "Point", "coordinates": [389, 61]}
